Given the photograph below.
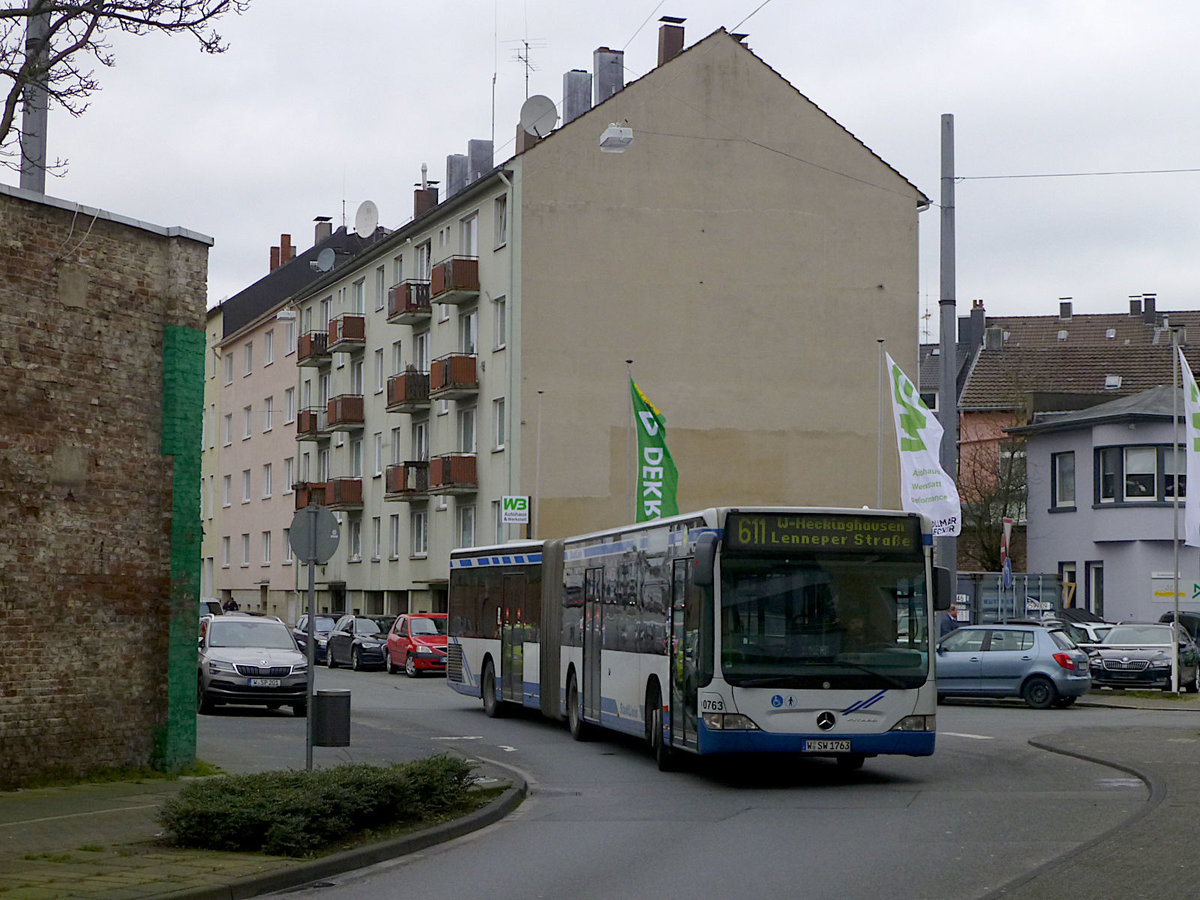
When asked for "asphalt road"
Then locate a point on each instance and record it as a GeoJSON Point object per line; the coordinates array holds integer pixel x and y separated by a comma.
{"type": "Point", "coordinates": [602, 821]}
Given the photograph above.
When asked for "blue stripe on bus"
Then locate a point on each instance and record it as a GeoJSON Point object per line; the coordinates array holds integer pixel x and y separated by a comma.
{"type": "Point", "coordinates": [864, 704]}
{"type": "Point", "coordinates": [518, 559]}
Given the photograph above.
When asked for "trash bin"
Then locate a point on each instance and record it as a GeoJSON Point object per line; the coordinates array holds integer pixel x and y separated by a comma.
{"type": "Point", "coordinates": [331, 718]}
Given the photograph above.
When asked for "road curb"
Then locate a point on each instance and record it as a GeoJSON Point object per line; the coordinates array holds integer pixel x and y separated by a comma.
{"type": "Point", "coordinates": [360, 857]}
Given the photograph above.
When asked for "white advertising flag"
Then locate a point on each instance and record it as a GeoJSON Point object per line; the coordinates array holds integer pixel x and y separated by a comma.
{"type": "Point", "coordinates": [1191, 441]}
{"type": "Point", "coordinates": [924, 486]}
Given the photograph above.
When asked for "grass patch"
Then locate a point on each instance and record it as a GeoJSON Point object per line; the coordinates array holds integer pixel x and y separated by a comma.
{"type": "Point", "coordinates": [298, 813]}
{"type": "Point", "coordinates": [62, 776]}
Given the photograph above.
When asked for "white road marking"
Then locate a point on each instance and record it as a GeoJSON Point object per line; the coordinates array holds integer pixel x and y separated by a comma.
{"type": "Point", "coordinates": [972, 737]}
{"type": "Point", "coordinates": [462, 737]}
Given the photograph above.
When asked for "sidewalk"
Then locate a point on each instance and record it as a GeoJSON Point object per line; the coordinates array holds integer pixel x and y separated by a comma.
{"type": "Point", "coordinates": [102, 841]}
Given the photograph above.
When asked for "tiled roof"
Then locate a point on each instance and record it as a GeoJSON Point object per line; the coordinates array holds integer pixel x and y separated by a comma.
{"type": "Point", "coordinates": [1035, 360]}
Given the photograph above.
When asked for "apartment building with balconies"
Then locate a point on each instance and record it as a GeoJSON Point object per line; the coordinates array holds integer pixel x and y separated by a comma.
{"type": "Point", "coordinates": [746, 253]}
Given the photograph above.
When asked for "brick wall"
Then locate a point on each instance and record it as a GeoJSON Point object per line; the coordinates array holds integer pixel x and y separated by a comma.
{"type": "Point", "coordinates": [90, 607]}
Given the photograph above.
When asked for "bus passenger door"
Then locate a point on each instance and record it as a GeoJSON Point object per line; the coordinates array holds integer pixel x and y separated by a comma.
{"type": "Point", "coordinates": [593, 640]}
{"type": "Point", "coordinates": [512, 640]}
{"type": "Point", "coordinates": [683, 656]}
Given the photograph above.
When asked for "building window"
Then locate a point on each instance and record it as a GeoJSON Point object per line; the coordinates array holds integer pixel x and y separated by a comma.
{"type": "Point", "coordinates": [1174, 471]}
{"type": "Point", "coordinates": [356, 460]}
{"type": "Point", "coordinates": [326, 312]}
{"type": "Point", "coordinates": [419, 535]}
{"type": "Point", "coordinates": [305, 466]}
{"type": "Point", "coordinates": [380, 287]}
{"type": "Point", "coordinates": [248, 359]}
{"type": "Point", "coordinates": [468, 331]}
{"type": "Point", "coordinates": [397, 270]}
{"type": "Point", "coordinates": [420, 355]}
{"type": "Point", "coordinates": [269, 347]}
{"type": "Point", "coordinates": [424, 255]}
{"type": "Point", "coordinates": [229, 369]}
{"type": "Point", "coordinates": [227, 490]}
{"type": "Point", "coordinates": [1066, 576]}
{"type": "Point", "coordinates": [499, 324]}
{"type": "Point", "coordinates": [268, 414]}
{"type": "Point", "coordinates": [245, 485]}
{"type": "Point", "coordinates": [289, 474]}
{"type": "Point", "coordinates": [356, 377]}
{"type": "Point", "coordinates": [498, 521]}
{"type": "Point", "coordinates": [227, 429]}
{"type": "Point", "coordinates": [380, 374]}
{"type": "Point", "coordinates": [468, 231]}
{"type": "Point", "coordinates": [378, 447]}
{"type": "Point", "coordinates": [466, 430]}
{"type": "Point", "coordinates": [289, 336]}
{"type": "Point", "coordinates": [287, 547]}
{"type": "Point", "coordinates": [1062, 480]}
{"type": "Point", "coordinates": [376, 537]}
{"type": "Point", "coordinates": [266, 548]}
{"type": "Point", "coordinates": [225, 552]}
{"type": "Point", "coordinates": [1140, 474]}
{"type": "Point", "coordinates": [397, 455]}
{"type": "Point", "coordinates": [246, 549]}
{"type": "Point", "coordinates": [466, 526]}
{"type": "Point", "coordinates": [358, 297]}
{"type": "Point", "coordinates": [420, 441]}
{"type": "Point", "coordinates": [266, 477]}
{"type": "Point", "coordinates": [397, 357]}
{"type": "Point", "coordinates": [498, 424]}
{"type": "Point", "coordinates": [289, 405]}
{"type": "Point", "coordinates": [394, 536]}
{"type": "Point", "coordinates": [501, 209]}
{"type": "Point", "coordinates": [247, 421]}
{"type": "Point", "coordinates": [212, 434]}
{"type": "Point", "coordinates": [354, 545]}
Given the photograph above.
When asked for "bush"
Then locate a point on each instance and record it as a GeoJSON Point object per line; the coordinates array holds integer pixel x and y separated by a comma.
{"type": "Point", "coordinates": [296, 812]}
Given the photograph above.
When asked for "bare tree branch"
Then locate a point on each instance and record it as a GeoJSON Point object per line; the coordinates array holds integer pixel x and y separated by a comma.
{"type": "Point", "coordinates": [77, 38]}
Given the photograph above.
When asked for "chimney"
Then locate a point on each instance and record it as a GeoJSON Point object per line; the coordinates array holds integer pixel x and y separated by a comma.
{"type": "Point", "coordinates": [577, 94]}
{"type": "Point", "coordinates": [670, 38]}
{"type": "Point", "coordinates": [479, 159]}
{"type": "Point", "coordinates": [993, 338]}
{"type": "Point", "coordinates": [456, 173]}
{"type": "Point", "coordinates": [1064, 309]}
{"type": "Point", "coordinates": [324, 229]}
{"type": "Point", "coordinates": [283, 254]}
{"type": "Point", "coordinates": [609, 68]}
{"type": "Point", "coordinates": [425, 197]}
{"type": "Point", "coordinates": [970, 329]}
{"type": "Point", "coordinates": [1149, 315]}
{"type": "Point", "coordinates": [1135, 307]}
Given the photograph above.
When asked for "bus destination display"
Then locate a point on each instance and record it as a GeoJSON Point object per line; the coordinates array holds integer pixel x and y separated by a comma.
{"type": "Point", "coordinates": [822, 532]}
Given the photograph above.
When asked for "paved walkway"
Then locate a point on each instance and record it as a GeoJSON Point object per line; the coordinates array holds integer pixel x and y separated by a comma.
{"type": "Point", "coordinates": [102, 840]}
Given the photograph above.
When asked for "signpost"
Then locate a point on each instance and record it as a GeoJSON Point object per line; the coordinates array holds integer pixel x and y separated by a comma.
{"type": "Point", "coordinates": [314, 537]}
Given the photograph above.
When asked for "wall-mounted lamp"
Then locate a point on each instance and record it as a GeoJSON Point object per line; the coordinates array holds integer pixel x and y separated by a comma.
{"type": "Point", "coordinates": [616, 139]}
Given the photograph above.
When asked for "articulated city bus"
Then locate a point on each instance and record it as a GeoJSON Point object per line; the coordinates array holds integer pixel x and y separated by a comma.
{"type": "Point", "coordinates": [731, 630]}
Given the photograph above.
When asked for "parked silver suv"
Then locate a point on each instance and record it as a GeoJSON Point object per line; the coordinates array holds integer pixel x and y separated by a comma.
{"type": "Point", "coordinates": [250, 660]}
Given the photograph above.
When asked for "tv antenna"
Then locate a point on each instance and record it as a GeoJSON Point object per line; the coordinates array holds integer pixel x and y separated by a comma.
{"type": "Point", "coordinates": [524, 56]}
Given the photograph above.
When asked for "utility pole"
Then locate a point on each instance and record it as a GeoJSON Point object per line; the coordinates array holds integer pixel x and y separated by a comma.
{"type": "Point", "coordinates": [947, 547]}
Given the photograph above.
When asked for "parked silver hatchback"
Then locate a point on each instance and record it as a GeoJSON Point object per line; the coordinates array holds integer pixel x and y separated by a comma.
{"type": "Point", "coordinates": [245, 659]}
{"type": "Point", "coordinates": [1041, 665]}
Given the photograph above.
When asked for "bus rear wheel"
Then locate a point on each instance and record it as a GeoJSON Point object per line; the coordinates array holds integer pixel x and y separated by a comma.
{"type": "Point", "coordinates": [664, 755]}
{"type": "Point", "coordinates": [487, 687]}
{"type": "Point", "coordinates": [575, 723]}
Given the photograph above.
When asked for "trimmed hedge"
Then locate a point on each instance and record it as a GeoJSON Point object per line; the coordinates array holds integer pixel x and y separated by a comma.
{"type": "Point", "coordinates": [295, 812]}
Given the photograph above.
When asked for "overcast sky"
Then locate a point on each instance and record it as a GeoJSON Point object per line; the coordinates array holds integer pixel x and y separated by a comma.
{"type": "Point", "coordinates": [321, 104]}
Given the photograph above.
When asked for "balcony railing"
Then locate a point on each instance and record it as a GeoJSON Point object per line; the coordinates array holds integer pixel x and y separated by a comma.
{"type": "Point", "coordinates": [309, 493]}
{"type": "Point", "coordinates": [345, 493]}
{"type": "Point", "coordinates": [453, 377]}
{"type": "Point", "coordinates": [345, 412]}
{"type": "Point", "coordinates": [347, 333]}
{"type": "Point", "coordinates": [455, 280]}
{"type": "Point", "coordinates": [407, 481]}
{"type": "Point", "coordinates": [408, 392]}
{"type": "Point", "coordinates": [408, 303]}
{"type": "Point", "coordinates": [313, 349]}
{"type": "Point", "coordinates": [311, 424]}
{"type": "Point", "coordinates": [453, 473]}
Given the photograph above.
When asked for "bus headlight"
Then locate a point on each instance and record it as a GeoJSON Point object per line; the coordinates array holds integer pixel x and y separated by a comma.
{"type": "Point", "coordinates": [729, 722]}
{"type": "Point", "coordinates": [916, 723]}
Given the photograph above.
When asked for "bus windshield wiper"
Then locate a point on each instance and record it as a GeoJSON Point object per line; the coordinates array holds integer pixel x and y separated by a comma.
{"type": "Point", "coordinates": [889, 679]}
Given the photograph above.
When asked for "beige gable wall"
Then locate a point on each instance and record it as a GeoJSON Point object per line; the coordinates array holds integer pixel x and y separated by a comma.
{"type": "Point", "coordinates": [747, 253]}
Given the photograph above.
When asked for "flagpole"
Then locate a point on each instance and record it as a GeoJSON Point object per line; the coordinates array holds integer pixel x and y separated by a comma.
{"type": "Point", "coordinates": [629, 446]}
{"type": "Point", "coordinates": [537, 470]}
{"type": "Point", "coordinates": [879, 434]}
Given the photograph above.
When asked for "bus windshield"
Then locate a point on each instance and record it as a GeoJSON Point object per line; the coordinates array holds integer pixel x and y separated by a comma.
{"type": "Point", "coordinates": [823, 623]}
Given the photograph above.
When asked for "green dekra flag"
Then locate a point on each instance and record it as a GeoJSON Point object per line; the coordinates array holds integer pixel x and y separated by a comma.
{"type": "Point", "coordinates": [656, 473]}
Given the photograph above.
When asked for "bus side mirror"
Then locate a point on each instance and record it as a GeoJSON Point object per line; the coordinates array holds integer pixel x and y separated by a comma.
{"type": "Point", "coordinates": [943, 588]}
{"type": "Point", "coordinates": [703, 559]}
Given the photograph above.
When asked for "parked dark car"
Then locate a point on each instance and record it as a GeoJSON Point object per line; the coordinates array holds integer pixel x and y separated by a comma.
{"type": "Point", "coordinates": [358, 642]}
{"type": "Point", "coordinates": [1136, 655]}
{"type": "Point", "coordinates": [244, 659]}
{"type": "Point", "coordinates": [1085, 634]}
{"type": "Point", "coordinates": [417, 644]}
{"type": "Point", "coordinates": [1189, 620]}
{"type": "Point", "coordinates": [1040, 665]}
{"type": "Point", "coordinates": [322, 626]}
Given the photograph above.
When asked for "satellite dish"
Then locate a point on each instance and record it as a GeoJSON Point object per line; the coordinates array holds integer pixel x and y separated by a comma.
{"type": "Point", "coordinates": [325, 260]}
{"type": "Point", "coordinates": [366, 220]}
{"type": "Point", "coordinates": [538, 115]}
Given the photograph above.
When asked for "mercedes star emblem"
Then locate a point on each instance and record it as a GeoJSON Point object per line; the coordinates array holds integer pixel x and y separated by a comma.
{"type": "Point", "coordinates": [825, 721]}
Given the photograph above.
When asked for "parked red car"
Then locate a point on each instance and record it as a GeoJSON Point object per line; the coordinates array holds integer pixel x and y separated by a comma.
{"type": "Point", "coordinates": [417, 643]}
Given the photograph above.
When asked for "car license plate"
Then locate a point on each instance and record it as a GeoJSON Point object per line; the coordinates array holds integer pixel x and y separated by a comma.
{"type": "Point", "coordinates": [827, 746]}
{"type": "Point", "coordinates": [265, 682]}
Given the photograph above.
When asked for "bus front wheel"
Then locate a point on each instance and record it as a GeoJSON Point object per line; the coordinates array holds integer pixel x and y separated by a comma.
{"type": "Point", "coordinates": [664, 756]}
{"type": "Point", "coordinates": [487, 687]}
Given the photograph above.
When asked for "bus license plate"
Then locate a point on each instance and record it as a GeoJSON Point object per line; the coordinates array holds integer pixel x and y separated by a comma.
{"type": "Point", "coordinates": [265, 682]}
{"type": "Point", "coordinates": [828, 746]}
